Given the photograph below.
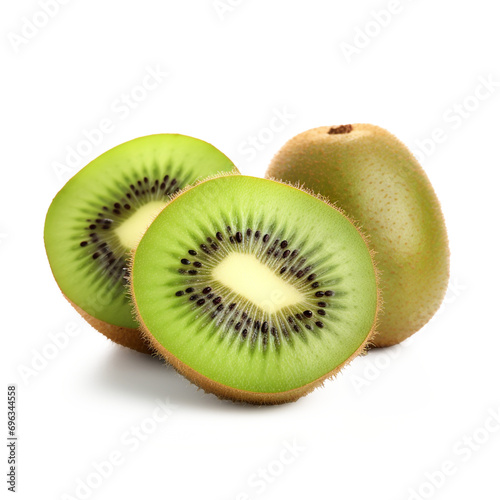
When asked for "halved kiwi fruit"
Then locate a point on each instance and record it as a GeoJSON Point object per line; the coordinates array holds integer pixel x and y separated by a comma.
{"type": "Point", "coordinates": [371, 175]}
{"type": "Point", "coordinates": [101, 213]}
{"type": "Point", "coordinates": [254, 290]}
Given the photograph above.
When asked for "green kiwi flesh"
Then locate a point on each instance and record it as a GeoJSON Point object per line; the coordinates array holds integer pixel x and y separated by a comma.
{"type": "Point", "coordinates": [254, 290]}
{"type": "Point", "coordinates": [98, 217]}
{"type": "Point", "coordinates": [375, 179]}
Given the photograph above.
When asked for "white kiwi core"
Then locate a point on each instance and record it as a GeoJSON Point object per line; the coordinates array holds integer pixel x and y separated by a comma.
{"type": "Point", "coordinates": [253, 280]}
{"type": "Point", "coordinates": [130, 231]}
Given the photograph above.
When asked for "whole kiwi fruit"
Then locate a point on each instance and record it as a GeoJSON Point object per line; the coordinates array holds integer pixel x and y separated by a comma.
{"type": "Point", "coordinates": [376, 180]}
{"type": "Point", "coordinates": [255, 290]}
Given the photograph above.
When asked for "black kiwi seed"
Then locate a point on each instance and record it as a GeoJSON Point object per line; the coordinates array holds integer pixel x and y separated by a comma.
{"type": "Point", "coordinates": [319, 324]}
{"type": "Point", "coordinates": [308, 314]}
{"type": "Point", "coordinates": [319, 294]}
{"type": "Point", "coordinates": [239, 237]}
{"type": "Point", "coordinates": [185, 262]}
{"type": "Point", "coordinates": [189, 290]}
{"type": "Point", "coordinates": [315, 285]}
{"type": "Point", "coordinates": [266, 238]}
{"type": "Point", "coordinates": [249, 232]}
{"type": "Point", "coordinates": [322, 304]}
{"type": "Point", "coordinates": [257, 234]}
{"type": "Point", "coordinates": [329, 293]}
{"type": "Point", "coordinates": [208, 290]}
{"type": "Point", "coordinates": [219, 236]}
{"type": "Point", "coordinates": [192, 252]}
{"type": "Point", "coordinates": [197, 264]}
{"type": "Point", "coordinates": [311, 277]}
{"type": "Point", "coordinates": [218, 300]}
{"type": "Point", "coordinates": [192, 272]}
{"type": "Point", "coordinates": [286, 253]}
{"type": "Point", "coordinates": [179, 293]}
{"type": "Point", "coordinates": [200, 302]}
{"type": "Point", "coordinates": [321, 312]}
{"type": "Point", "coordinates": [265, 327]}
{"type": "Point", "coordinates": [284, 244]}
{"type": "Point", "coordinates": [193, 297]}
{"type": "Point", "coordinates": [84, 243]}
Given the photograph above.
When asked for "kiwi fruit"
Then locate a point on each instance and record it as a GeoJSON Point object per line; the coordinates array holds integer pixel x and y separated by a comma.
{"type": "Point", "coordinates": [98, 217]}
{"type": "Point", "coordinates": [375, 179]}
{"type": "Point", "coordinates": [254, 290]}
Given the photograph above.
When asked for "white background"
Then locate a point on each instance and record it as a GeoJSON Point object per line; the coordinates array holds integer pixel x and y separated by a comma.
{"type": "Point", "coordinates": [392, 418]}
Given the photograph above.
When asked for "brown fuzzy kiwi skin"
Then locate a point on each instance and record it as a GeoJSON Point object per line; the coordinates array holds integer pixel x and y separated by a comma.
{"type": "Point", "coordinates": [225, 392]}
{"type": "Point", "coordinates": [370, 174]}
{"type": "Point", "coordinates": [127, 337]}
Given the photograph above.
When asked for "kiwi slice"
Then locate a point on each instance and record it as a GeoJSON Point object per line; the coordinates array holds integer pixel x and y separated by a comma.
{"type": "Point", "coordinates": [254, 290]}
{"type": "Point", "coordinates": [371, 175]}
{"type": "Point", "coordinates": [101, 213]}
